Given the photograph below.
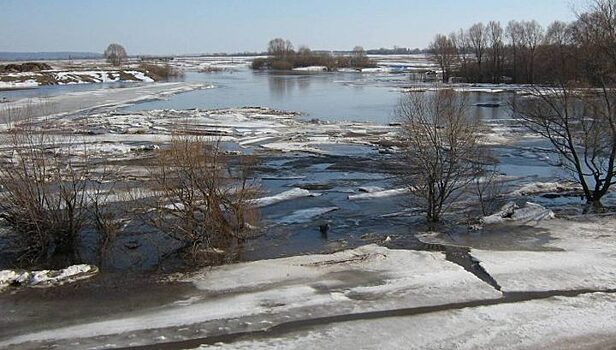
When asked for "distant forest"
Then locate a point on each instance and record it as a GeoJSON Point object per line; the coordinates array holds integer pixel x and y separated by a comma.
{"type": "Point", "coordinates": [525, 52]}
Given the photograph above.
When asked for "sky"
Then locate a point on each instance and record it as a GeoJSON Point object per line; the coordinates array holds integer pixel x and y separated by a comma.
{"type": "Point", "coordinates": [208, 26]}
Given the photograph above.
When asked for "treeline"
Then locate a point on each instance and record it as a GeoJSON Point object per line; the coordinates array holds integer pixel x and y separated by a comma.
{"type": "Point", "coordinates": [520, 52]}
{"type": "Point", "coordinates": [282, 56]}
{"type": "Point", "coordinates": [395, 51]}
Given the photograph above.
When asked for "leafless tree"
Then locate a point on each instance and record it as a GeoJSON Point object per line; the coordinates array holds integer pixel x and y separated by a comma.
{"type": "Point", "coordinates": [496, 50]}
{"type": "Point", "coordinates": [115, 54]}
{"type": "Point", "coordinates": [581, 126]}
{"type": "Point", "coordinates": [579, 122]}
{"type": "Point", "coordinates": [444, 54]}
{"type": "Point", "coordinates": [561, 54]}
{"type": "Point", "coordinates": [43, 195]}
{"type": "Point", "coordinates": [515, 31]}
{"type": "Point", "coordinates": [461, 42]}
{"type": "Point", "coordinates": [442, 151]}
{"type": "Point", "coordinates": [280, 48]}
{"type": "Point", "coordinates": [478, 40]}
{"type": "Point", "coordinates": [359, 57]}
{"type": "Point", "coordinates": [201, 202]}
{"type": "Point", "coordinates": [532, 37]}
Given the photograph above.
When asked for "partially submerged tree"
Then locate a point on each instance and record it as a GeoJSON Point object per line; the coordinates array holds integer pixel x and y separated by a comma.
{"type": "Point", "coordinates": [444, 54]}
{"type": "Point", "coordinates": [115, 54]}
{"type": "Point", "coordinates": [442, 149]}
{"type": "Point", "coordinates": [43, 197]}
{"type": "Point", "coordinates": [359, 58]}
{"type": "Point", "coordinates": [202, 202]}
{"type": "Point", "coordinates": [580, 122]}
{"type": "Point", "coordinates": [581, 126]}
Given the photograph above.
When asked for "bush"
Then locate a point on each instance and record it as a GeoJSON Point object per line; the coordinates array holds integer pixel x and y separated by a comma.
{"type": "Point", "coordinates": [442, 149]}
{"type": "Point", "coordinates": [201, 203]}
{"type": "Point", "coordinates": [160, 72]}
{"type": "Point", "coordinates": [43, 199]}
{"type": "Point", "coordinates": [259, 63]}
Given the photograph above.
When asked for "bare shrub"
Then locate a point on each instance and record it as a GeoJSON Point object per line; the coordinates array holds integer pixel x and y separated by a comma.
{"type": "Point", "coordinates": [43, 197]}
{"type": "Point", "coordinates": [102, 213]}
{"type": "Point", "coordinates": [201, 202]}
{"type": "Point", "coordinates": [160, 72]}
{"type": "Point", "coordinates": [442, 151]}
{"type": "Point", "coordinates": [489, 189]}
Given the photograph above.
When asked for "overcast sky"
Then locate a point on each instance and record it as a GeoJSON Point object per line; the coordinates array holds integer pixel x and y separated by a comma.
{"type": "Point", "coordinates": [206, 26]}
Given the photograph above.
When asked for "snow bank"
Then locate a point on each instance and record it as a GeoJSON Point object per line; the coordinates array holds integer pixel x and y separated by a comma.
{"type": "Point", "coordinates": [282, 197]}
{"type": "Point", "coordinates": [510, 212]}
{"type": "Point", "coordinates": [305, 215]}
{"type": "Point", "coordinates": [582, 322]}
{"type": "Point", "coordinates": [580, 255]}
{"type": "Point", "coordinates": [45, 278]}
{"type": "Point", "coordinates": [365, 279]}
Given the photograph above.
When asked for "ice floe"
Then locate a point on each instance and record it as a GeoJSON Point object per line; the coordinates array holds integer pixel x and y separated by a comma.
{"type": "Point", "coordinates": [511, 212]}
{"type": "Point", "coordinates": [545, 187]}
{"type": "Point", "coordinates": [45, 278]}
{"type": "Point", "coordinates": [305, 215]}
{"type": "Point", "coordinates": [379, 194]}
{"type": "Point", "coordinates": [292, 194]}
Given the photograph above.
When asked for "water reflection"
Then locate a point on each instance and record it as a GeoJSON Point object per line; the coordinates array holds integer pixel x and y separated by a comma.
{"type": "Point", "coordinates": [282, 86]}
{"type": "Point", "coordinates": [328, 96]}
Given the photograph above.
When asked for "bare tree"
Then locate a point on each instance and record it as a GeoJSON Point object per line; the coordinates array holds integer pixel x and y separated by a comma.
{"type": "Point", "coordinates": [581, 126]}
{"type": "Point", "coordinates": [478, 40]}
{"type": "Point", "coordinates": [280, 48]}
{"type": "Point", "coordinates": [461, 42]}
{"type": "Point", "coordinates": [532, 37]}
{"type": "Point", "coordinates": [496, 50]}
{"type": "Point", "coordinates": [43, 195]}
{"type": "Point", "coordinates": [561, 52]}
{"type": "Point", "coordinates": [515, 31]}
{"type": "Point", "coordinates": [444, 53]}
{"type": "Point", "coordinates": [358, 57]}
{"type": "Point", "coordinates": [580, 123]}
{"type": "Point", "coordinates": [201, 203]}
{"type": "Point", "coordinates": [595, 32]}
{"type": "Point", "coordinates": [442, 151]}
{"type": "Point", "coordinates": [115, 54]}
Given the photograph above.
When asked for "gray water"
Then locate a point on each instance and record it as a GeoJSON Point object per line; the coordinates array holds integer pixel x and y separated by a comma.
{"type": "Point", "coordinates": [328, 96]}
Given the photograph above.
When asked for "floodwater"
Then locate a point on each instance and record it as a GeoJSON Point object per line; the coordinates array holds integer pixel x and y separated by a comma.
{"type": "Point", "coordinates": [370, 97]}
{"type": "Point", "coordinates": [328, 96]}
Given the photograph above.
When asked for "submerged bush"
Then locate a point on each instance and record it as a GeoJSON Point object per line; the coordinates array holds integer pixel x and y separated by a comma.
{"type": "Point", "coordinates": [201, 202]}
{"type": "Point", "coordinates": [161, 72]}
{"type": "Point", "coordinates": [43, 199]}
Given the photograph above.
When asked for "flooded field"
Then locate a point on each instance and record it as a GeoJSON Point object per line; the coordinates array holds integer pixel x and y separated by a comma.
{"type": "Point", "coordinates": [349, 178]}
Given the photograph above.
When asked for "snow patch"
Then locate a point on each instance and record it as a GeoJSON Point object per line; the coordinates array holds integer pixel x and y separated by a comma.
{"type": "Point", "coordinates": [282, 197]}
{"type": "Point", "coordinates": [510, 212]}
{"type": "Point", "coordinates": [46, 278]}
{"type": "Point", "coordinates": [305, 215]}
{"type": "Point", "coordinates": [379, 194]}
